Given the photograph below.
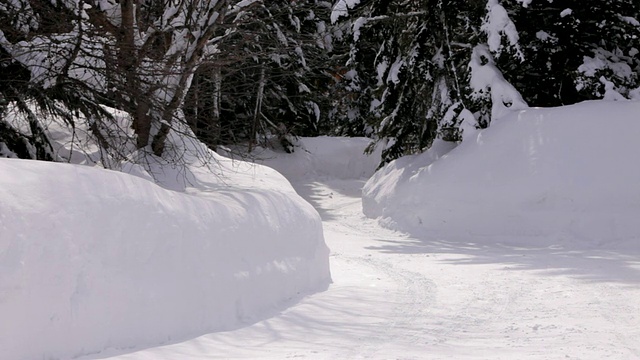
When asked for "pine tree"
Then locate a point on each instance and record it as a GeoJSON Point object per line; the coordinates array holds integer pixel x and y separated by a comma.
{"type": "Point", "coordinates": [573, 50]}
{"type": "Point", "coordinates": [40, 43]}
{"type": "Point", "coordinates": [421, 70]}
{"type": "Point", "coordinates": [409, 67]}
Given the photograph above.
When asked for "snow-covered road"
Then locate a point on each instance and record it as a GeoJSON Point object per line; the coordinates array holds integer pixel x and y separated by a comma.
{"type": "Point", "coordinates": [396, 297]}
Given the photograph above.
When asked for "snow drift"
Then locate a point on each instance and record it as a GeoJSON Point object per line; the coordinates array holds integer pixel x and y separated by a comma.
{"type": "Point", "coordinates": [570, 171]}
{"type": "Point", "coordinates": [92, 259]}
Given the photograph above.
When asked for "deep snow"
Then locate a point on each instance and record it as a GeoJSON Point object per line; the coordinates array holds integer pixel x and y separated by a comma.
{"type": "Point", "coordinates": [398, 297]}
{"type": "Point", "coordinates": [439, 296]}
{"type": "Point", "coordinates": [322, 157]}
{"type": "Point", "coordinates": [92, 259]}
{"type": "Point", "coordinates": [463, 294]}
{"type": "Point", "coordinates": [537, 176]}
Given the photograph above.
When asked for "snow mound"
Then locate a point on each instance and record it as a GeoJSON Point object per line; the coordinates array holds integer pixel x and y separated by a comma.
{"type": "Point", "coordinates": [570, 172]}
{"type": "Point", "coordinates": [92, 259]}
{"type": "Point", "coordinates": [328, 157]}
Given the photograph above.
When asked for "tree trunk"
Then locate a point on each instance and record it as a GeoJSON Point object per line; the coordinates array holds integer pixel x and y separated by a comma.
{"type": "Point", "coordinates": [190, 65]}
{"type": "Point", "coordinates": [258, 109]}
{"type": "Point", "coordinates": [214, 126]}
{"type": "Point", "coordinates": [137, 103]}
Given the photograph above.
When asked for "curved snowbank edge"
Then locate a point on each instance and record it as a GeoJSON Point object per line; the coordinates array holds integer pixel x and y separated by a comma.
{"type": "Point", "coordinates": [92, 259]}
{"type": "Point", "coordinates": [568, 171]}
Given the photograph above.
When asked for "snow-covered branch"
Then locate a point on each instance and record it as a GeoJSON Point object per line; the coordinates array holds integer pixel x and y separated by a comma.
{"type": "Point", "coordinates": [487, 80]}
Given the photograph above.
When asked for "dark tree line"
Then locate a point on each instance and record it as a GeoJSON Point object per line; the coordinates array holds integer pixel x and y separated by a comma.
{"type": "Point", "coordinates": [420, 68]}
{"type": "Point", "coordinates": [403, 72]}
{"type": "Point", "coordinates": [271, 78]}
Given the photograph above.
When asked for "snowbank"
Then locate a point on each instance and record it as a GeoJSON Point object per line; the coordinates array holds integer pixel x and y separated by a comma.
{"type": "Point", "coordinates": [382, 188]}
{"type": "Point", "coordinates": [570, 171]}
{"type": "Point", "coordinates": [323, 156]}
{"type": "Point", "coordinates": [92, 259]}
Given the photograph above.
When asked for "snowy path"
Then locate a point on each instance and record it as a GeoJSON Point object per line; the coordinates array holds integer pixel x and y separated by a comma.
{"type": "Point", "coordinates": [395, 297]}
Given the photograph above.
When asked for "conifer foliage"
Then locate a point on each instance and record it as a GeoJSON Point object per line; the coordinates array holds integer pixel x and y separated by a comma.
{"type": "Point", "coordinates": [136, 55]}
{"type": "Point", "coordinates": [410, 63]}
{"type": "Point", "coordinates": [576, 50]}
{"type": "Point", "coordinates": [404, 72]}
{"type": "Point", "coordinates": [428, 69]}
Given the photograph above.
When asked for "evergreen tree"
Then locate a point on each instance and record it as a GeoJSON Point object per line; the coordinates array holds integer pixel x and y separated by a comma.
{"type": "Point", "coordinates": [420, 70]}
{"type": "Point", "coordinates": [40, 42]}
{"type": "Point", "coordinates": [409, 62]}
{"type": "Point", "coordinates": [574, 51]}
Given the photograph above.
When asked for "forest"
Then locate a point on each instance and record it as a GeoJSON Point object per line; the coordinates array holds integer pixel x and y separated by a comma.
{"type": "Point", "coordinates": [402, 73]}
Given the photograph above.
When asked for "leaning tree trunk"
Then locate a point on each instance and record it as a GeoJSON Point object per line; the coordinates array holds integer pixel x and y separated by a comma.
{"type": "Point", "coordinates": [188, 62]}
{"type": "Point", "coordinates": [156, 51]}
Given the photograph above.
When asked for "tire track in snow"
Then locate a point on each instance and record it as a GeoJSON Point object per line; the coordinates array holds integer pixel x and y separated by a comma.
{"type": "Point", "coordinates": [412, 298]}
{"type": "Point", "coordinates": [414, 304]}
{"type": "Point", "coordinates": [420, 318]}
{"type": "Point", "coordinates": [413, 294]}
{"type": "Point", "coordinates": [483, 307]}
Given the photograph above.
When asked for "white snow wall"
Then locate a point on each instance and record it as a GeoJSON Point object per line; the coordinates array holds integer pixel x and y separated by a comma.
{"type": "Point", "coordinates": [92, 259]}
{"type": "Point", "coordinates": [570, 172]}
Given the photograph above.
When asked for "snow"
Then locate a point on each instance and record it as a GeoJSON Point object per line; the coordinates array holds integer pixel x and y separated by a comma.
{"type": "Point", "coordinates": [447, 296]}
{"type": "Point", "coordinates": [537, 175]}
{"type": "Point", "coordinates": [280, 36]}
{"type": "Point", "coordinates": [383, 186]}
{"type": "Point", "coordinates": [543, 36]}
{"type": "Point", "coordinates": [538, 259]}
{"type": "Point", "coordinates": [486, 79]}
{"type": "Point", "coordinates": [498, 24]}
{"type": "Point", "coordinates": [341, 8]}
{"type": "Point", "coordinates": [630, 20]}
{"type": "Point", "coordinates": [92, 259]}
{"type": "Point", "coordinates": [610, 93]}
{"type": "Point", "coordinates": [394, 72]}
{"type": "Point", "coordinates": [323, 157]}
{"type": "Point", "coordinates": [381, 69]}
{"type": "Point", "coordinates": [566, 12]}
{"type": "Point", "coordinates": [602, 60]}
{"type": "Point", "coordinates": [244, 3]}
{"type": "Point", "coordinates": [607, 65]}
{"type": "Point", "coordinates": [357, 25]}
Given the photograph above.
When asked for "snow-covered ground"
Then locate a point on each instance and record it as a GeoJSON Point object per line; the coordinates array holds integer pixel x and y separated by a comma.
{"type": "Point", "coordinates": [537, 285]}
{"type": "Point", "coordinates": [398, 297]}
{"type": "Point", "coordinates": [93, 259]}
{"type": "Point", "coordinates": [550, 293]}
{"type": "Point", "coordinates": [536, 176]}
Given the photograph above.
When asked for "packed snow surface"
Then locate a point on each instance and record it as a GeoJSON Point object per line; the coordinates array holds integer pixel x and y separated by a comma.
{"type": "Point", "coordinates": [92, 259]}
{"type": "Point", "coordinates": [323, 157]}
{"type": "Point", "coordinates": [429, 296]}
{"type": "Point", "coordinates": [568, 172]}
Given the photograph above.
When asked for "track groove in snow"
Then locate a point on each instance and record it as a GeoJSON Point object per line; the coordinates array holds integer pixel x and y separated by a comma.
{"type": "Point", "coordinates": [396, 297]}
